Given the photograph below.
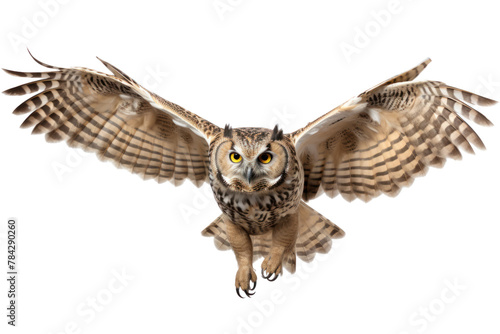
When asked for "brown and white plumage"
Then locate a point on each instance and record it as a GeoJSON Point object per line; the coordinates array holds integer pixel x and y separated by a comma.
{"type": "Point", "coordinates": [119, 120]}
{"type": "Point", "coordinates": [315, 234]}
{"type": "Point", "coordinates": [377, 142]}
{"type": "Point", "coordinates": [382, 139]}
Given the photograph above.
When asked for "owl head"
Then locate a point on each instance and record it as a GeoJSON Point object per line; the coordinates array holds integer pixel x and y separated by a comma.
{"type": "Point", "coordinates": [251, 159]}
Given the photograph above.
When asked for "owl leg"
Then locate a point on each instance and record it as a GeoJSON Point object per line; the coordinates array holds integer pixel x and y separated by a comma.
{"type": "Point", "coordinates": [242, 246]}
{"type": "Point", "coordinates": [284, 237]}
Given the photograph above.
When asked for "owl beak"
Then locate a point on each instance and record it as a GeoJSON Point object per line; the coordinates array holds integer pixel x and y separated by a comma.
{"type": "Point", "coordinates": [250, 174]}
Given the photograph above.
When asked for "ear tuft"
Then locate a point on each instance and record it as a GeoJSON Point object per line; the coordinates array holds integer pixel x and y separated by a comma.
{"type": "Point", "coordinates": [277, 133]}
{"type": "Point", "coordinates": [228, 131]}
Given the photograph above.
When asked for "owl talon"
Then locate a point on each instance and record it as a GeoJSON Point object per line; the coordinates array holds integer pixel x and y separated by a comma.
{"type": "Point", "coordinates": [266, 276]}
{"type": "Point", "coordinates": [244, 279]}
{"type": "Point", "coordinates": [273, 279]}
{"type": "Point", "coordinates": [271, 267]}
{"type": "Point", "coordinates": [270, 277]}
{"type": "Point", "coordinates": [247, 292]}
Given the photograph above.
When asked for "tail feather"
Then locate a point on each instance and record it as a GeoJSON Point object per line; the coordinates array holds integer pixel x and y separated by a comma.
{"type": "Point", "coordinates": [315, 235]}
{"type": "Point", "coordinates": [217, 230]}
{"type": "Point", "coordinates": [290, 262]}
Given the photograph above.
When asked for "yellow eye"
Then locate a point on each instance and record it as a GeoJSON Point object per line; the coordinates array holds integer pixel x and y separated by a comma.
{"type": "Point", "coordinates": [235, 157]}
{"type": "Point", "coordinates": [265, 158]}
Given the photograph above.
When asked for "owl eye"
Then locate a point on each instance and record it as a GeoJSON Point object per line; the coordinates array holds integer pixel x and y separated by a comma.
{"type": "Point", "coordinates": [235, 157]}
{"type": "Point", "coordinates": [265, 158]}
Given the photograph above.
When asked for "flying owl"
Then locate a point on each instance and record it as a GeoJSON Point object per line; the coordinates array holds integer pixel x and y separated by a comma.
{"type": "Point", "coordinates": [376, 142]}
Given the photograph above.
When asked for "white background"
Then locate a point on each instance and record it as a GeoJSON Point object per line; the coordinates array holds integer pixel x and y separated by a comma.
{"type": "Point", "coordinates": [258, 63]}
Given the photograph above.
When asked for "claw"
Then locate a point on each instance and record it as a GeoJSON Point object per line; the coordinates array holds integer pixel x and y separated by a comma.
{"type": "Point", "coordinates": [266, 276]}
{"type": "Point", "coordinates": [273, 279]}
{"type": "Point", "coordinates": [269, 276]}
{"type": "Point", "coordinates": [250, 282]}
{"type": "Point", "coordinates": [249, 294]}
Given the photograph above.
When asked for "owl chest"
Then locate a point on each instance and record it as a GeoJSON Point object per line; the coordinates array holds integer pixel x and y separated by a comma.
{"type": "Point", "coordinates": [258, 213]}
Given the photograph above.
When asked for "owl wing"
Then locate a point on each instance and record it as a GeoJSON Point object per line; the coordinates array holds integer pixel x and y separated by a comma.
{"type": "Point", "coordinates": [119, 120]}
{"type": "Point", "coordinates": [382, 139]}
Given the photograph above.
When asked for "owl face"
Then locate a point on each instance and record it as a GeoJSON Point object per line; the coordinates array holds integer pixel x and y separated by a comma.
{"type": "Point", "coordinates": [251, 159]}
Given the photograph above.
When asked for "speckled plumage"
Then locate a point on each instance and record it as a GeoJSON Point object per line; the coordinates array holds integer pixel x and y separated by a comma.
{"type": "Point", "coordinates": [377, 142]}
{"type": "Point", "coordinates": [258, 211]}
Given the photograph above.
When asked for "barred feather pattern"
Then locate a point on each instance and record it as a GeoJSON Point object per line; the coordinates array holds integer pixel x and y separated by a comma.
{"type": "Point", "coordinates": [376, 142]}
{"type": "Point", "coordinates": [315, 235]}
{"type": "Point", "coordinates": [379, 141]}
{"type": "Point", "coordinates": [119, 120]}
{"type": "Point", "coordinates": [261, 244]}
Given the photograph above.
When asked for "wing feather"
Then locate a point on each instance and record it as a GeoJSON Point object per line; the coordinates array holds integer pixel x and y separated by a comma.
{"type": "Point", "coordinates": [117, 119]}
{"type": "Point", "coordinates": [379, 141]}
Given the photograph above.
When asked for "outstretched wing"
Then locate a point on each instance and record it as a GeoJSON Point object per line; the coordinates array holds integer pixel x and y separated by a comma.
{"type": "Point", "coordinates": [380, 140]}
{"type": "Point", "coordinates": [119, 120]}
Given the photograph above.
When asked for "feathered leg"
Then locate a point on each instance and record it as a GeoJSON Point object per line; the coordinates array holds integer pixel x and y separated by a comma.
{"type": "Point", "coordinates": [242, 246]}
{"type": "Point", "coordinates": [284, 237]}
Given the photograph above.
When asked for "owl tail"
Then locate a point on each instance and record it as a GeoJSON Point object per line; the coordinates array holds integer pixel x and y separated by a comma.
{"type": "Point", "coordinates": [315, 235]}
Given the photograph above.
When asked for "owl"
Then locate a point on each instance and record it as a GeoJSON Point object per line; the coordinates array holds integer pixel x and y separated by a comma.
{"type": "Point", "coordinates": [376, 142]}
